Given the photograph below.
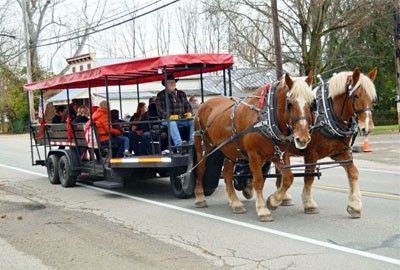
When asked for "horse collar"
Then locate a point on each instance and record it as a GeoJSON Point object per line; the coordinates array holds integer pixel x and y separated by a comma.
{"type": "Point", "coordinates": [268, 123]}
{"type": "Point", "coordinates": [327, 119]}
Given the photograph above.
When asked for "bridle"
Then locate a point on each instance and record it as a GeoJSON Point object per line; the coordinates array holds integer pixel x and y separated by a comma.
{"type": "Point", "coordinates": [349, 91]}
{"type": "Point", "coordinates": [294, 119]}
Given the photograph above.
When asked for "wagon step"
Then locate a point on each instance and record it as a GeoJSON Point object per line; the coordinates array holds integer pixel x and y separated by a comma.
{"type": "Point", "coordinates": [108, 184]}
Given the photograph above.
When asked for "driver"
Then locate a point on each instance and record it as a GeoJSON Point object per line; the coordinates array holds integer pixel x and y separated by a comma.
{"type": "Point", "coordinates": [179, 108]}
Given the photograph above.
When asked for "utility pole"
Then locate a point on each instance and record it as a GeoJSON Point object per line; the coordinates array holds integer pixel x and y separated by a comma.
{"type": "Point", "coordinates": [397, 46]}
{"type": "Point", "coordinates": [28, 59]}
{"type": "Point", "coordinates": [277, 39]}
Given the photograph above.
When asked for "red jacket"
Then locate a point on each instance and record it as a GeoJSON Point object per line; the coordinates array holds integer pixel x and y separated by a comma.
{"type": "Point", "coordinates": [100, 117]}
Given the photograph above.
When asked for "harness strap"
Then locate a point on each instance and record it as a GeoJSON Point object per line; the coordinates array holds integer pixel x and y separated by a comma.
{"type": "Point", "coordinates": [232, 138]}
{"type": "Point", "coordinates": [262, 96]}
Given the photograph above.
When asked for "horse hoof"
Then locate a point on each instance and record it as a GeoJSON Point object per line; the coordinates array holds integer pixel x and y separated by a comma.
{"type": "Point", "coordinates": [267, 218]}
{"type": "Point", "coordinates": [247, 194]}
{"type": "Point", "coordinates": [287, 202]}
{"type": "Point", "coordinates": [353, 212]}
{"type": "Point", "coordinates": [239, 210]}
{"type": "Point", "coordinates": [269, 205]}
{"type": "Point", "coordinates": [201, 204]}
{"type": "Point", "coordinates": [311, 210]}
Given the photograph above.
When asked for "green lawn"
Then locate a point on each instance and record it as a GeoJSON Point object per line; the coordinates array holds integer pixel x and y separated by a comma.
{"type": "Point", "coordinates": [385, 129]}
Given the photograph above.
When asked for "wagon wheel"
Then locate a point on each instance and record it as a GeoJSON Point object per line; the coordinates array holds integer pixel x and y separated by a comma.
{"type": "Point", "coordinates": [176, 183]}
{"type": "Point", "coordinates": [67, 178]}
{"type": "Point", "coordinates": [208, 191]}
{"type": "Point", "coordinates": [52, 165]}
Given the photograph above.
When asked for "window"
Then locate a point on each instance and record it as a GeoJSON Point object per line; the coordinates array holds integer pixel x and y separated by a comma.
{"type": "Point", "coordinates": [81, 68]}
{"type": "Point", "coordinates": [89, 66]}
{"type": "Point", "coordinates": [73, 69]}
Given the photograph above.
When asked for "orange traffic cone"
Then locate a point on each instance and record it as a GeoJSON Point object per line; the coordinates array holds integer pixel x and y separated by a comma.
{"type": "Point", "coordinates": [365, 145]}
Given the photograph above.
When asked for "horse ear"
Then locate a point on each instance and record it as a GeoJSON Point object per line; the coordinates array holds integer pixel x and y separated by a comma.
{"type": "Point", "coordinates": [356, 76]}
{"type": "Point", "coordinates": [372, 74]}
{"type": "Point", "coordinates": [310, 77]}
{"type": "Point", "coordinates": [288, 81]}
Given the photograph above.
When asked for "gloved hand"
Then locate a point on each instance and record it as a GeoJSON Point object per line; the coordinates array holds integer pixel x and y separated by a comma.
{"type": "Point", "coordinates": [173, 117]}
{"type": "Point", "coordinates": [188, 115]}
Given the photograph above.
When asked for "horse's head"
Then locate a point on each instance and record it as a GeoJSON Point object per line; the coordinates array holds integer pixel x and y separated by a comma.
{"type": "Point", "coordinates": [299, 98]}
{"type": "Point", "coordinates": [359, 94]}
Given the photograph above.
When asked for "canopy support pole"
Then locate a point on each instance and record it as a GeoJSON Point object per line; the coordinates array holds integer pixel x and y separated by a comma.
{"type": "Point", "coordinates": [120, 100]}
{"type": "Point", "coordinates": [109, 115]}
{"type": "Point", "coordinates": [167, 109]}
{"type": "Point", "coordinates": [44, 126]}
{"type": "Point", "coordinates": [137, 92]}
{"type": "Point", "coordinates": [230, 81]}
{"type": "Point", "coordinates": [201, 86]}
{"type": "Point", "coordinates": [224, 74]}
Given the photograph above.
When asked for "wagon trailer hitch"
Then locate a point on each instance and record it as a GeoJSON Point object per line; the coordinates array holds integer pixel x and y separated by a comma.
{"type": "Point", "coordinates": [317, 172]}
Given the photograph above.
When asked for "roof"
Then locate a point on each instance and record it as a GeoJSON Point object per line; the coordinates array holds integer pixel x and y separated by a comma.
{"type": "Point", "coordinates": [244, 81]}
{"type": "Point", "coordinates": [73, 94]}
{"type": "Point", "coordinates": [137, 71]}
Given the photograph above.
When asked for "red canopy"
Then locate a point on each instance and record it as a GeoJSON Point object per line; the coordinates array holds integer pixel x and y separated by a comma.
{"type": "Point", "coordinates": [137, 71]}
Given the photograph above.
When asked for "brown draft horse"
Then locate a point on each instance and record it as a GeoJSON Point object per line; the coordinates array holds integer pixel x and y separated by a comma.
{"type": "Point", "coordinates": [217, 120]}
{"type": "Point", "coordinates": [352, 94]}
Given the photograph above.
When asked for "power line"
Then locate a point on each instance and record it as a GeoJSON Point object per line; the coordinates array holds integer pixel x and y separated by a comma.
{"type": "Point", "coordinates": [111, 19]}
{"type": "Point", "coordinates": [108, 27]}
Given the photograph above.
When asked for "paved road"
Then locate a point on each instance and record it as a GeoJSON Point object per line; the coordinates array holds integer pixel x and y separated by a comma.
{"type": "Point", "coordinates": [144, 227]}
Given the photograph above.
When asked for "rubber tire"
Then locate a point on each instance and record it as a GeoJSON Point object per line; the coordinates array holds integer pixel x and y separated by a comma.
{"type": "Point", "coordinates": [209, 191]}
{"type": "Point", "coordinates": [52, 165]}
{"type": "Point", "coordinates": [67, 178]}
{"type": "Point", "coordinates": [176, 184]}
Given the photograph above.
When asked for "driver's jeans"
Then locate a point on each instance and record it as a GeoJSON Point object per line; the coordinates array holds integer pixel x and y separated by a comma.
{"type": "Point", "coordinates": [174, 130]}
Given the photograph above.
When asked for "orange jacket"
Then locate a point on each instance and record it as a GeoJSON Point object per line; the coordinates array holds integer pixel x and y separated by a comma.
{"type": "Point", "coordinates": [100, 117]}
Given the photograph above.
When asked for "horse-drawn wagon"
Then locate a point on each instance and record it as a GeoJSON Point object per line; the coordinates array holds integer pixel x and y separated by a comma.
{"type": "Point", "coordinates": [70, 150]}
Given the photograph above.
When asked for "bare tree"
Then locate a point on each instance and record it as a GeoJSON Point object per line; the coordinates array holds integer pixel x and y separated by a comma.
{"type": "Point", "coordinates": [87, 24]}
{"type": "Point", "coordinates": [163, 33]}
{"type": "Point", "coordinates": [249, 34]}
{"type": "Point", "coordinates": [10, 45]}
{"type": "Point", "coordinates": [308, 26]}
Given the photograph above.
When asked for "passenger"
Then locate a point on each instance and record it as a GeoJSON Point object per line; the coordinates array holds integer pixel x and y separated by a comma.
{"type": "Point", "coordinates": [194, 102]}
{"type": "Point", "coordinates": [81, 115]}
{"type": "Point", "coordinates": [152, 110]}
{"type": "Point", "coordinates": [60, 116]}
{"type": "Point", "coordinates": [179, 108]}
{"type": "Point", "coordinates": [135, 136]}
{"type": "Point", "coordinates": [140, 109]}
{"type": "Point", "coordinates": [119, 124]}
{"type": "Point", "coordinates": [73, 108]}
{"type": "Point", "coordinates": [100, 117]}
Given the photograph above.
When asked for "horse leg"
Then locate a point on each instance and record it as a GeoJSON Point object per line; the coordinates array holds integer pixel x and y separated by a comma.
{"type": "Point", "coordinates": [200, 201]}
{"type": "Point", "coordinates": [310, 206]}
{"type": "Point", "coordinates": [276, 199]}
{"type": "Point", "coordinates": [354, 205]}
{"type": "Point", "coordinates": [234, 202]}
{"type": "Point", "coordinates": [287, 199]}
{"type": "Point", "coordinates": [248, 190]}
{"type": "Point", "coordinates": [258, 183]}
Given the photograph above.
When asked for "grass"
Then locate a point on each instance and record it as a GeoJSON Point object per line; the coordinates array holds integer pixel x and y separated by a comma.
{"type": "Point", "coordinates": [385, 129]}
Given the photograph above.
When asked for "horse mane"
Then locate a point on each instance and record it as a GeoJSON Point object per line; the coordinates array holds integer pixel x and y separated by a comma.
{"type": "Point", "coordinates": [301, 88]}
{"type": "Point", "coordinates": [338, 81]}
